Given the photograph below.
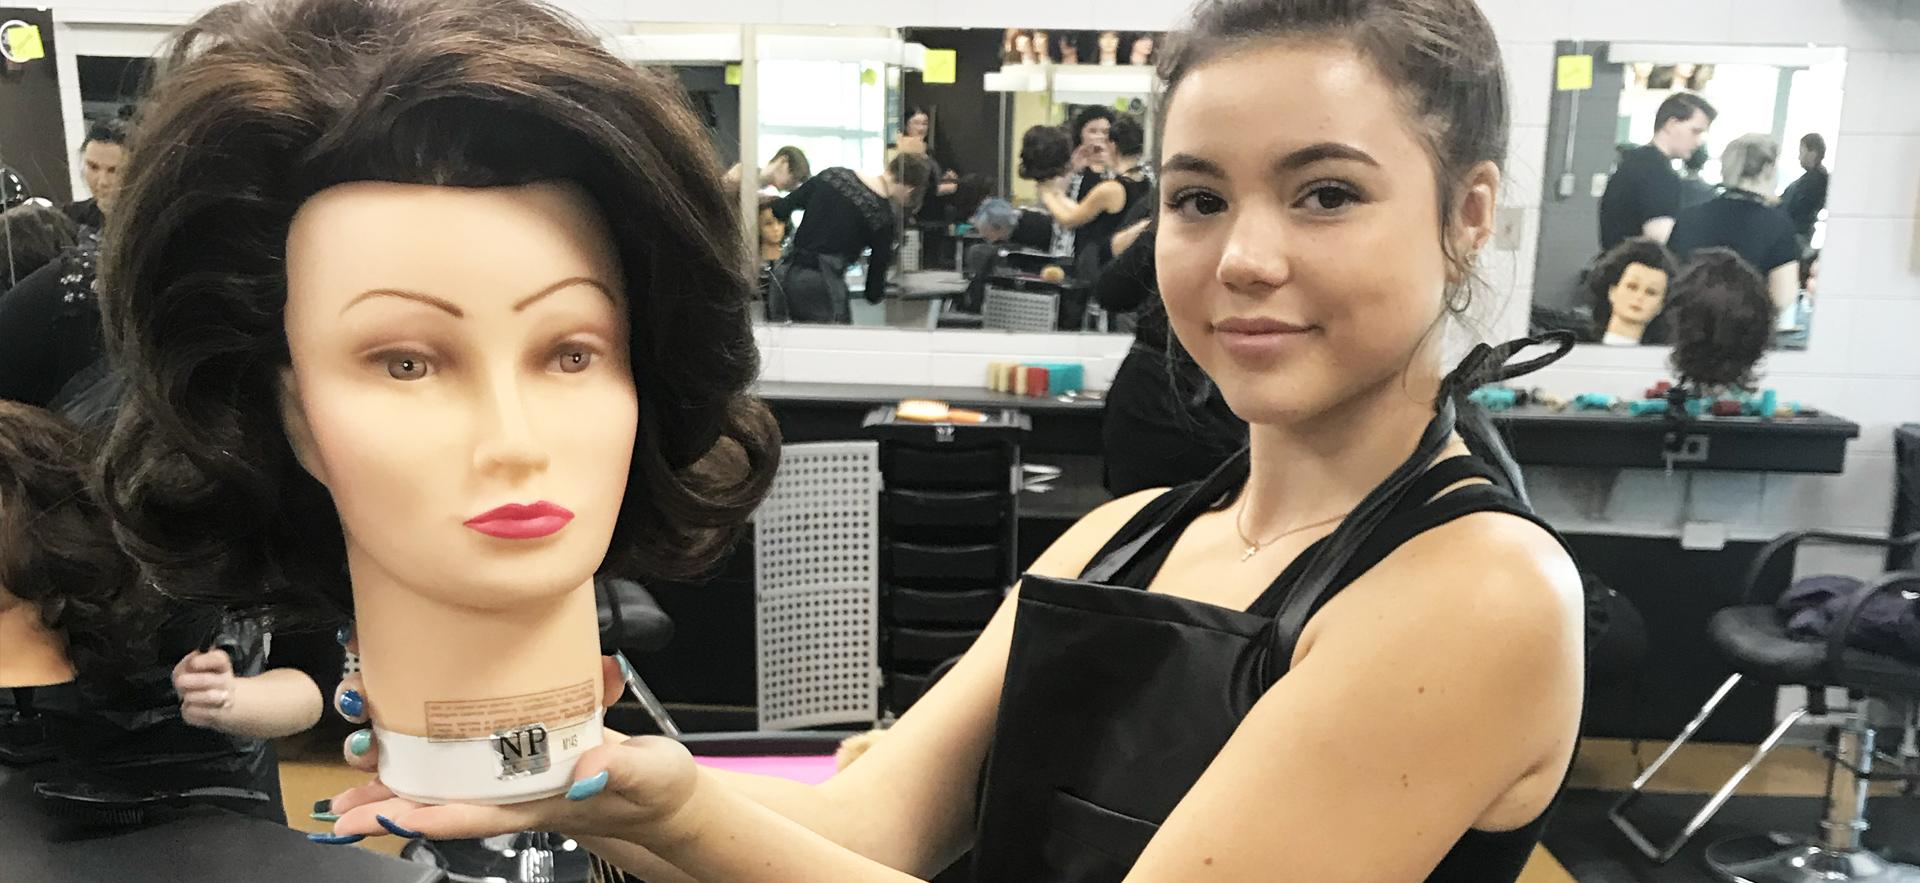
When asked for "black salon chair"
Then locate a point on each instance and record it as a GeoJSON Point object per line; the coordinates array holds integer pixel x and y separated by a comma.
{"type": "Point", "coordinates": [1753, 638]}
{"type": "Point", "coordinates": [631, 623]}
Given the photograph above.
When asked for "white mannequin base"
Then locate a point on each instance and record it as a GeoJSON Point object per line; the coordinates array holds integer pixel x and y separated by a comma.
{"type": "Point", "coordinates": [473, 771]}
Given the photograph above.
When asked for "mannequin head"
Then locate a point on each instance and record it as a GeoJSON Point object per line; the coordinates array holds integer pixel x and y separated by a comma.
{"type": "Point", "coordinates": [482, 153]}
{"type": "Point", "coordinates": [1142, 50]}
{"type": "Point", "coordinates": [58, 561]}
{"type": "Point", "coordinates": [1629, 287]}
{"type": "Point", "coordinates": [773, 230]}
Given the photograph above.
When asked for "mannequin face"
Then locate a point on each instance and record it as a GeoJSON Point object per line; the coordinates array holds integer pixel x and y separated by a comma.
{"type": "Point", "coordinates": [1639, 294]}
{"type": "Point", "coordinates": [772, 232]}
{"type": "Point", "coordinates": [456, 350]}
{"type": "Point", "coordinates": [1109, 42]}
{"type": "Point", "coordinates": [1142, 50]}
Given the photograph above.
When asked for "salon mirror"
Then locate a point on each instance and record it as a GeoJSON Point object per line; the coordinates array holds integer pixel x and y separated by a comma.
{"type": "Point", "coordinates": [963, 99]}
{"type": "Point", "coordinates": [35, 167]}
{"type": "Point", "coordinates": [1656, 151]}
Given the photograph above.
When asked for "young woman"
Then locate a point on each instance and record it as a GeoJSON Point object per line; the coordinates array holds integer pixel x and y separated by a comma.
{"type": "Point", "coordinates": [1095, 217]}
{"type": "Point", "coordinates": [1352, 654]}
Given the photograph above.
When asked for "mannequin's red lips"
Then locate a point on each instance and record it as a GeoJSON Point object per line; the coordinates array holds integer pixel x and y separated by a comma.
{"type": "Point", "coordinates": [516, 521]}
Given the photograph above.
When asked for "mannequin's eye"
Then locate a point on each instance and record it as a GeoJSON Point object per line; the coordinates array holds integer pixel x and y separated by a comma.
{"type": "Point", "coordinates": [574, 361]}
{"type": "Point", "coordinates": [407, 367]}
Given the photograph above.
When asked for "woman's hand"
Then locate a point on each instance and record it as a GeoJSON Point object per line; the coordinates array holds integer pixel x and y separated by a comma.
{"type": "Point", "coordinates": [622, 789]}
{"type": "Point", "coordinates": [205, 683]}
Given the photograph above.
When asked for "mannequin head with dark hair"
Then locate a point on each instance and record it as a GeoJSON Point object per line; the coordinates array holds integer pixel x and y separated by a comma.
{"type": "Point", "coordinates": [285, 146]}
{"type": "Point", "coordinates": [1723, 320]}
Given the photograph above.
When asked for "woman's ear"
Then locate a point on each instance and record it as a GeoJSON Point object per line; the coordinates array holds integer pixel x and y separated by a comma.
{"type": "Point", "coordinates": [1476, 212]}
{"type": "Point", "coordinates": [293, 419]}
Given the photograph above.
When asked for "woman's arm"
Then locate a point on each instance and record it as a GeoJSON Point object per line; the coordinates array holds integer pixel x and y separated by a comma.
{"type": "Point", "coordinates": [1783, 283]}
{"type": "Point", "coordinates": [1107, 197]}
{"type": "Point", "coordinates": [906, 806]}
{"type": "Point", "coordinates": [1439, 692]}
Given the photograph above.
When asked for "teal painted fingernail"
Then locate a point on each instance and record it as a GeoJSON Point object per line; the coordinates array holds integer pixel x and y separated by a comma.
{"type": "Point", "coordinates": [588, 787]}
{"type": "Point", "coordinates": [626, 668]}
{"type": "Point", "coordinates": [324, 817]}
{"type": "Point", "coordinates": [344, 635]}
{"type": "Point", "coordinates": [395, 829]}
{"type": "Point", "coordinates": [336, 839]}
{"type": "Point", "coordinates": [359, 742]}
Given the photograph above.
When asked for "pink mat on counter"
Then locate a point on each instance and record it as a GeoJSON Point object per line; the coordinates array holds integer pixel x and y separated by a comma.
{"type": "Point", "coordinates": [810, 769]}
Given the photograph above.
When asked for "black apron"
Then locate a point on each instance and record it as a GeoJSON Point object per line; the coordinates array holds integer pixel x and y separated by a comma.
{"type": "Point", "coordinates": [1116, 699]}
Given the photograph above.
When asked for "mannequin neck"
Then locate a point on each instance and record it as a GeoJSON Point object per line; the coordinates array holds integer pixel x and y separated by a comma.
{"type": "Point", "coordinates": [1626, 328]}
{"type": "Point", "coordinates": [416, 648]}
{"type": "Point", "coordinates": [34, 655]}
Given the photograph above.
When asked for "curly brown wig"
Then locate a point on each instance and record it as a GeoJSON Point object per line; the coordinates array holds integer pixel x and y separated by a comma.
{"type": "Point", "coordinates": [261, 106]}
{"type": "Point", "coordinates": [1045, 153]}
{"type": "Point", "coordinates": [1723, 320]}
{"type": "Point", "coordinates": [1608, 268]}
{"type": "Point", "coordinates": [57, 550]}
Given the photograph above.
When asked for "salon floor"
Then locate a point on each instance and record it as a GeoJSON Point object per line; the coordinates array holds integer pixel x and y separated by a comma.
{"type": "Point", "coordinates": [310, 770]}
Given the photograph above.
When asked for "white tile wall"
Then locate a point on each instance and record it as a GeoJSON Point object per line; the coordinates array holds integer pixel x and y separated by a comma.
{"type": "Point", "coordinates": [1867, 325]}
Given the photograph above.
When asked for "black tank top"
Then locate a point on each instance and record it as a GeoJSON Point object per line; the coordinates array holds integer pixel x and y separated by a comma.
{"type": "Point", "coordinates": [1116, 699]}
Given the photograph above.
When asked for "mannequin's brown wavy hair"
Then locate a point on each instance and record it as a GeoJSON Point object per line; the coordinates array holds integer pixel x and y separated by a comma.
{"type": "Point", "coordinates": [258, 107]}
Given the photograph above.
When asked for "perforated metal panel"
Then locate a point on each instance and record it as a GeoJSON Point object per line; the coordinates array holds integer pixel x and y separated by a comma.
{"type": "Point", "coordinates": [1007, 310]}
{"type": "Point", "coordinates": [817, 587]}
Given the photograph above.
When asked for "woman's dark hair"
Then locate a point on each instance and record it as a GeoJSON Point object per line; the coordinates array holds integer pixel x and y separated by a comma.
{"type": "Point", "coordinates": [914, 111]}
{"type": "Point", "coordinates": [1440, 55]}
{"type": "Point", "coordinates": [1127, 135]}
{"type": "Point", "coordinates": [1608, 268]}
{"type": "Point", "coordinates": [57, 550]}
{"type": "Point", "coordinates": [1723, 319]}
{"type": "Point", "coordinates": [33, 235]}
{"type": "Point", "coordinates": [1045, 153]}
{"type": "Point", "coordinates": [263, 105]}
{"type": "Point", "coordinates": [972, 190]}
{"type": "Point", "coordinates": [797, 164]}
{"type": "Point", "coordinates": [1815, 142]}
{"type": "Point", "coordinates": [108, 130]}
{"type": "Point", "coordinates": [1088, 114]}
{"type": "Point", "coordinates": [916, 171]}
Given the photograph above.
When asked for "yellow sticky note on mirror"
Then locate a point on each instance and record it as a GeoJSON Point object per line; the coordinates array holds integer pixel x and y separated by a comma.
{"type": "Point", "coordinates": [1122, 104]}
{"type": "Point", "coordinates": [1575, 73]}
{"type": "Point", "coordinates": [940, 66]}
{"type": "Point", "coordinates": [23, 43]}
{"type": "Point", "coordinates": [869, 77]}
{"type": "Point", "coordinates": [733, 75]}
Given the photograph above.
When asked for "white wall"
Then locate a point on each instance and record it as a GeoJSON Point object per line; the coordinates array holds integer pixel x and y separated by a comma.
{"type": "Point", "coordinates": [1862, 362]}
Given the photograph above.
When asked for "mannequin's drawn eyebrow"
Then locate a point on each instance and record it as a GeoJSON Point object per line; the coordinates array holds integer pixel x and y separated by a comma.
{"type": "Point", "coordinates": [451, 309]}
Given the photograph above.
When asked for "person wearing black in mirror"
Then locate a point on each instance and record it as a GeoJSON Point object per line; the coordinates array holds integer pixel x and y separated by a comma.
{"type": "Point", "coordinates": [1096, 215]}
{"type": "Point", "coordinates": [1694, 189]}
{"type": "Point", "coordinates": [1643, 196]}
{"type": "Point", "coordinates": [1806, 197]}
{"type": "Point", "coordinates": [1744, 218]}
{"type": "Point", "coordinates": [847, 212]}
{"type": "Point", "coordinates": [103, 159]}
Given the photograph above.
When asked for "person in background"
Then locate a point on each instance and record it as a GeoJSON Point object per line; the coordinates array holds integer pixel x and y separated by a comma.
{"type": "Point", "coordinates": [1629, 289]}
{"type": "Point", "coordinates": [1694, 189]}
{"type": "Point", "coordinates": [1088, 165]}
{"type": "Point", "coordinates": [917, 137]}
{"type": "Point", "coordinates": [1165, 423]}
{"type": "Point", "coordinates": [125, 721]}
{"type": "Point", "coordinates": [783, 174]}
{"type": "Point", "coordinates": [1643, 196]}
{"type": "Point", "coordinates": [50, 329]}
{"type": "Point", "coordinates": [1744, 218]}
{"type": "Point", "coordinates": [1806, 197]}
{"type": "Point", "coordinates": [847, 212]}
{"type": "Point", "coordinates": [33, 235]}
{"type": "Point", "coordinates": [1096, 216]}
{"type": "Point", "coordinates": [103, 159]}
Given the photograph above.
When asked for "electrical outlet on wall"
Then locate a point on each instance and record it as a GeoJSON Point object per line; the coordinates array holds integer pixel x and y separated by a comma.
{"type": "Point", "coordinates": [1567, 183]}
{"type": "Point", "coordinates": [1599, 185]}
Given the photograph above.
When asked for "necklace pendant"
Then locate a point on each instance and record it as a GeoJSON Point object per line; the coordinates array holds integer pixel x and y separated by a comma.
{"type": "Point", "coordinates": [1251, 551]}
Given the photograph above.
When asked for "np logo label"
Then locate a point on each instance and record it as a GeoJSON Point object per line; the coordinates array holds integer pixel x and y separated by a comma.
{"type": "Point", "coordinates": [523, 751]}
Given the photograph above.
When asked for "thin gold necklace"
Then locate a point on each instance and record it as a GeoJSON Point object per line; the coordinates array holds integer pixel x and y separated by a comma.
{"type": "Point", "coordinates": [1254, 548]}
